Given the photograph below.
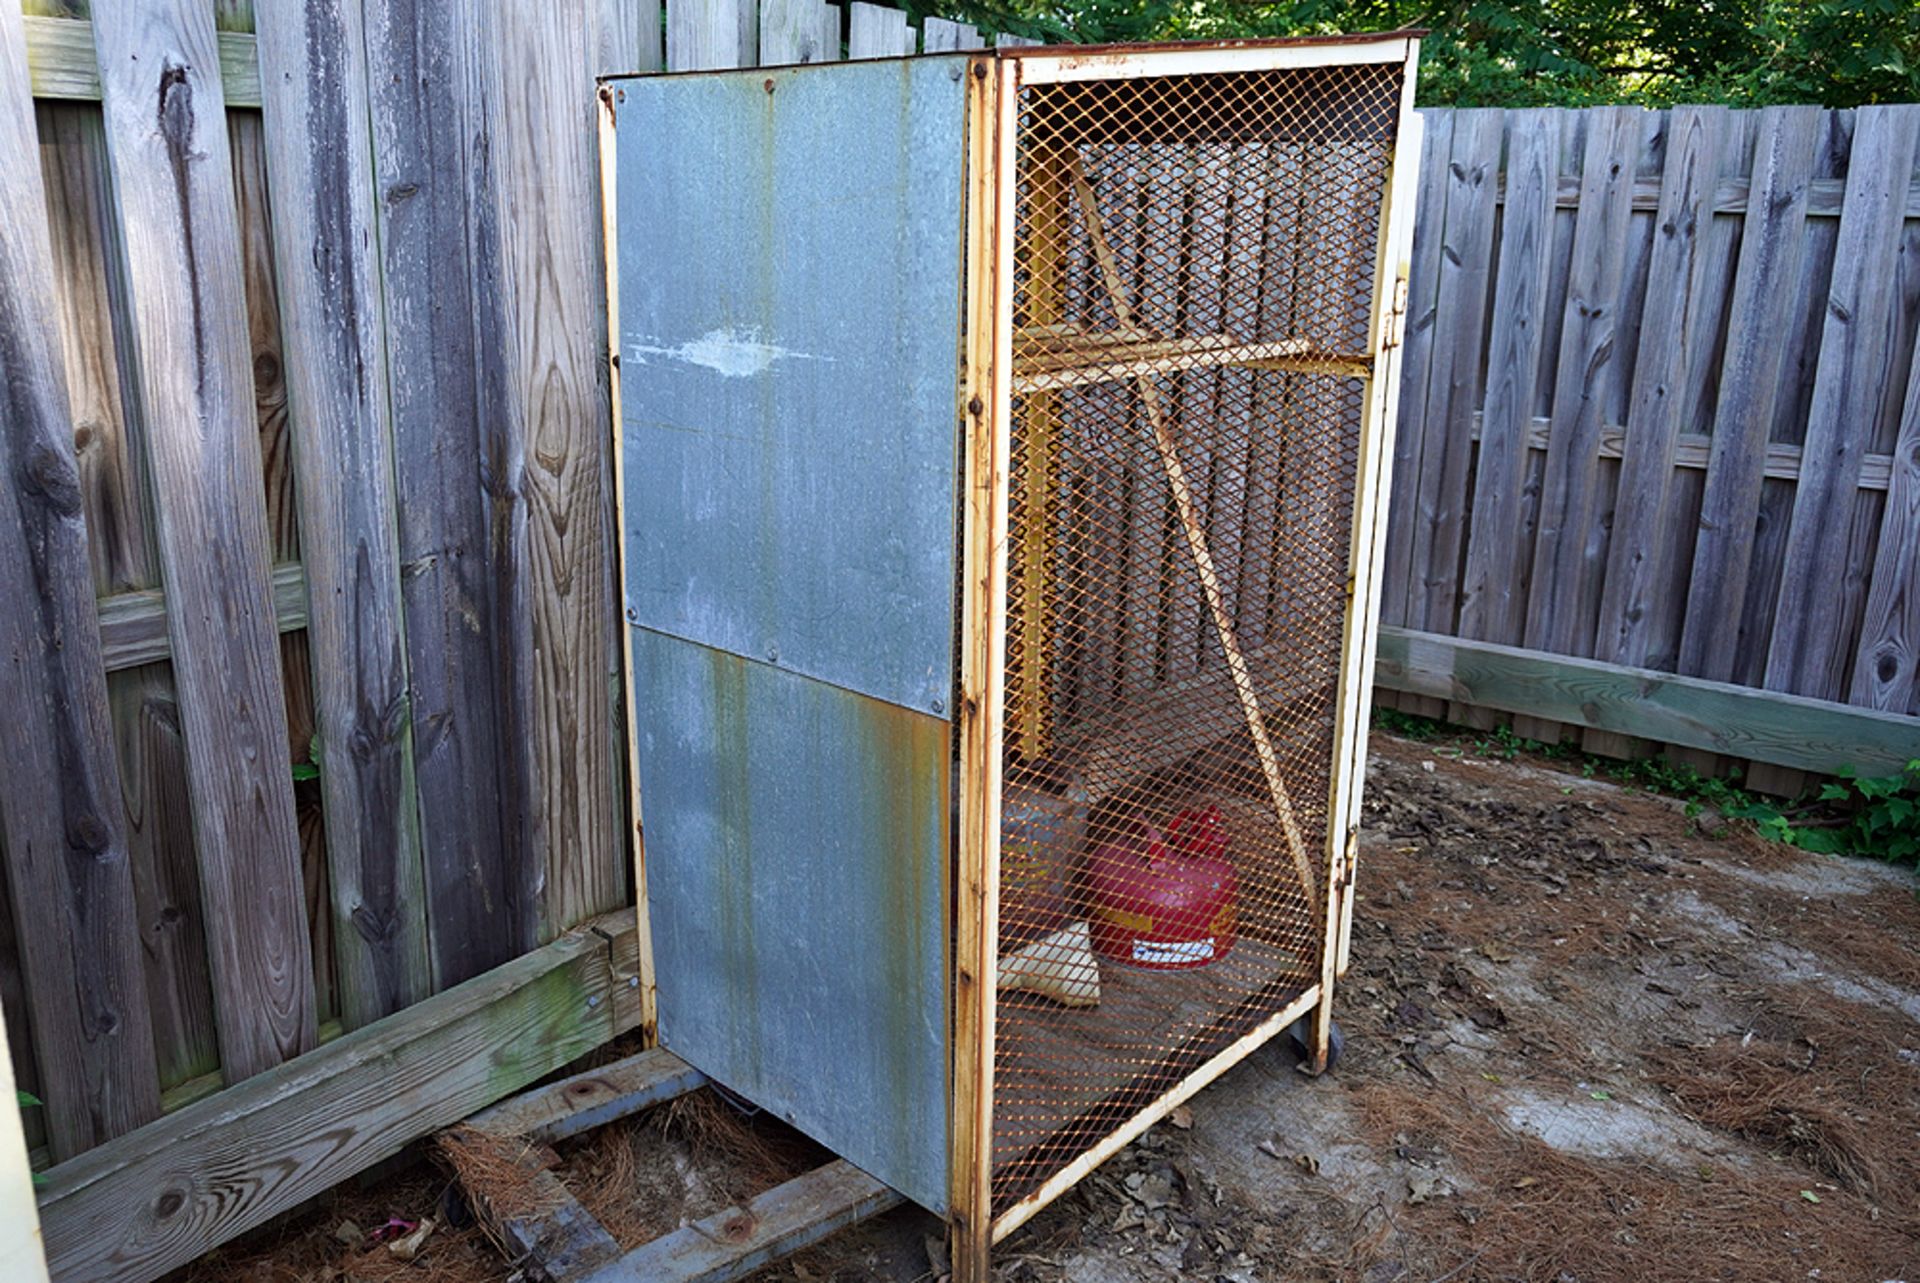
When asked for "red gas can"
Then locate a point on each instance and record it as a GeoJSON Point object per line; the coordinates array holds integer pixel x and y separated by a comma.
{"type": "Point", "coordinates": [1164, 901]}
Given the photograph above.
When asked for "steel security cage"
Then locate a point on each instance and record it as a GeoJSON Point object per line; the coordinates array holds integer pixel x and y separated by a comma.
{"type": "Point", "coordinates": [1002, 445]}
{"type": "Point", "coordinates": [1187, 278]}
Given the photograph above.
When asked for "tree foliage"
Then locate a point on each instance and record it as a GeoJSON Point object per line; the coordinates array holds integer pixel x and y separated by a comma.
{"type": "Point", "coordinates": [1516, 53]}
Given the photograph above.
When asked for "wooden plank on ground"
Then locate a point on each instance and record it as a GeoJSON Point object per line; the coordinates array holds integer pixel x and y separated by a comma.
{"type": "Point", "coordinates": [877, 31]}
{"type": "Point", "coordinates": [591, 1099]}
{"type": "Point", "coordinates": [1672, 338]}
{"type": "Point", "coordinates": [1886, 671]}
{"type": "Point", "coordinates": [317, 135]}
{"type": "Point", "coordinates": [535, 1219]}
{"type": "Point", "coordinates": [1491, 600]}
{"type": "Point", "coordinates": [1790, 730]}
{"type": "Point", "coordinates": [458, 458]}
{"type": "Point", "coordinates": [734, 1243]}
{"type": "Point", "coordinates": [1816, 619]}
{"type": "Point", "coordinates": [66, 847]}
{"type": "Point", "coordinates": [545, 158]}
{"type": "Point", "coordinates": [1763, 290]}
{"type": "Point", "coordinates": [167, 136]}
{"type": "Point", "coordinates": [1591, 336]}
{"type": "Point", "coordinates": [129, 1211]}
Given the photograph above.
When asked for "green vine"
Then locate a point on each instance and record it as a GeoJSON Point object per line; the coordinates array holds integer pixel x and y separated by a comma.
{"type": "Point", "coordinates": [1876, 817]}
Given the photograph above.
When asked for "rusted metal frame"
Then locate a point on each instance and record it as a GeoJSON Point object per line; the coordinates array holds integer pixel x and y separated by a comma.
{"type": "Point", "coordinates": [992, 95]}
{"type": "Point", "coordinates": [1294, 356]}
{"type": "Point", "coordinates": [1053, 63]}
{"type": "Point", "coordinates": [1196, 540]}
{"type": "Point", "coordinates": [609, 214]}
{"type": "Point", "coordinates": [1112, 1143]}
{"type": "Point", "coordinates": [1385, 331]}
{"type": "Point", "coordinates": [1056, 348]}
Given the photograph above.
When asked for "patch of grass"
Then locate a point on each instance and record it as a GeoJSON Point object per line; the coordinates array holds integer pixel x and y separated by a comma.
{"type": "Point", "coordinates": [1875, 817]}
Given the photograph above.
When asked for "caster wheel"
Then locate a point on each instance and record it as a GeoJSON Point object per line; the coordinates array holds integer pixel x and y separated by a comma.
{"type": "Point", "coordinates": [1300, 1034]}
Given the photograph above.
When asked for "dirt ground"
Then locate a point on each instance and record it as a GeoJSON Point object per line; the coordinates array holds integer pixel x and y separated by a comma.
{"type": "Point", "coordinates": [1586, 1041]}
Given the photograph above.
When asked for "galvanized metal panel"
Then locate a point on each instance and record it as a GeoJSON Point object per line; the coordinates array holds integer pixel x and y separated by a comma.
{"type": "Point", "coordinates": [797, 839]}
{"type": "Point", "coordinates": [790, 270]}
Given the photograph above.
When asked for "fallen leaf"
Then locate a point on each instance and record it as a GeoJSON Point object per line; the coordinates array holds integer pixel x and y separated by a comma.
{"type": "Point", "coordinates": [1601, 1095]}
{"type": "Point", "coordinates": [350, 1233]}
{"type": "Point", "coordinates": [1809, 1195]}
{"type": "Point", "coordinates": [1307, 1163]}
{"type": "Point", "coordinates": [1181, 1117]}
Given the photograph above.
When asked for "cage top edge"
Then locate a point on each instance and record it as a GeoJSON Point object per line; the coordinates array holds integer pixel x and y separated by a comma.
{"type": "Point", "coordinates": [1065, 55]}
{"type": "Point", "coordinates": [1040, 52]}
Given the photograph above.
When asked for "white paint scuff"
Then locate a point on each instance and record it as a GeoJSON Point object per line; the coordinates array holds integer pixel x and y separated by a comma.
{"type": "Point", "coordinates": [733, 353]}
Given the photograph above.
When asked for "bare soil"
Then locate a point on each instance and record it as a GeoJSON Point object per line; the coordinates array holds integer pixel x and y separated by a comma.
{"type": "Point", "coordinates": [1586, 1042]}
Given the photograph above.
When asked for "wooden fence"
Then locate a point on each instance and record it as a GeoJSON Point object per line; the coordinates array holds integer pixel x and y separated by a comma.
{"type": "Point", "coordinates": [308, 618]}
{"type": "Point", "coordinates": [298, 499]}
{"type": "Point", "coordinates": [1661, 410]}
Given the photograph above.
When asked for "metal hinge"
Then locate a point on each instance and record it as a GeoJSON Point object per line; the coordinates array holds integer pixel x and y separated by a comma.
{"type": "Point", "coordinates": [1397, 316]}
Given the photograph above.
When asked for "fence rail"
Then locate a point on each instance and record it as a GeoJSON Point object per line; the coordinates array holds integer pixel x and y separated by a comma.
{"type": "Point", "coordinates": [1661, 408]}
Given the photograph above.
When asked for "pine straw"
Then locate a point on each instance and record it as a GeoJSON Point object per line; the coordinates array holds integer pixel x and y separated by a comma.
{"type": "Point", "coordinates": [302, 1249]}
{"type": "Point", "coordinates": [494, 1171]}
{"type": "Point", "coordinates": [1534, 1213]}
{"type": "Point", "coordinates": [1823, 1083]}
{"type": "Point", "coordinates": [624, 1176]}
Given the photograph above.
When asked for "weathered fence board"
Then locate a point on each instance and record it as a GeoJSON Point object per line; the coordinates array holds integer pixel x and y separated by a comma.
{"type": "Point", "coordinates": [1492, 596]}
{"type": "Point", "coordinates": [1590, 340]}
{"type": "Point", "coordinates": [938, 35]}
{"type": "Point", "coordinates": [91, 301]}
{"type": "Point", "coordinates": [1821, 589]}
{"type": "Point", "coordinates": [313, 78]}
{"type": "Point", "coordinates": [462, 572]}
{"type": "Point", "coordinates": [1743, 346]}
{"type": "Point", "coordinates": [545, 166]}
{"type": "Point", "coordinates": [167, 137]}
{"type": "Point", "coordinates": [793, 31]}
{"type": "Point", "coordinates": [1672, 337]}
{"type": "Point", "coordinates": [65, 841]}
{"type": "Point", "coordinates": [1886, 671]}
{"type": "Point", "coordinates": [877, 31]}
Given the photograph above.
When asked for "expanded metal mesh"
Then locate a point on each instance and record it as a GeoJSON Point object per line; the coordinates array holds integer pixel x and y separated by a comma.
{"type": "Point", "coordinates": [1195, 264]}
